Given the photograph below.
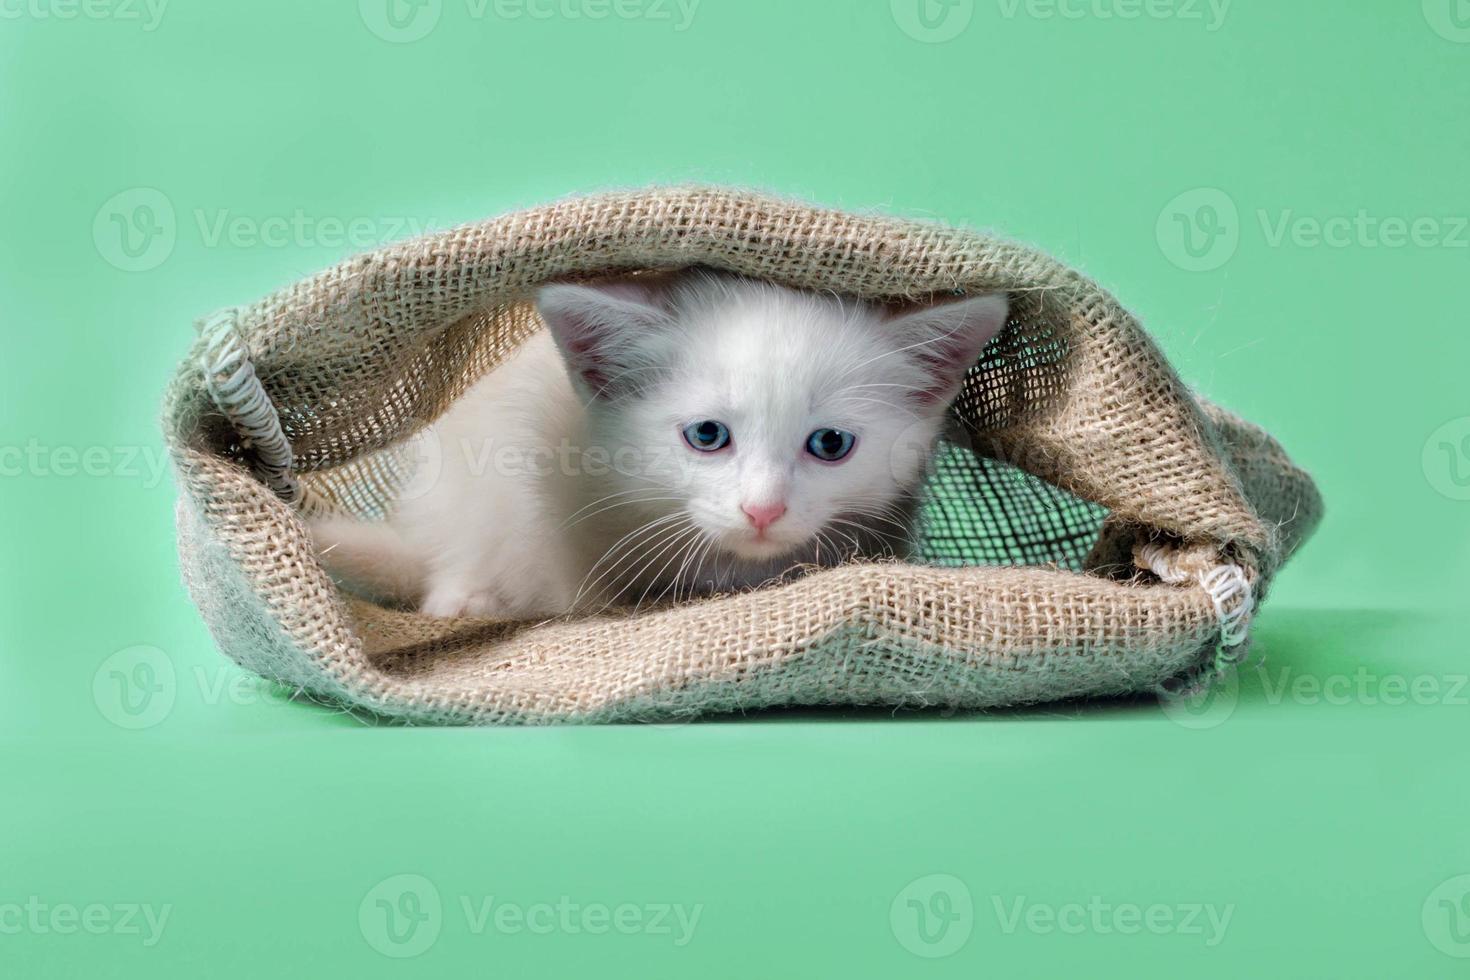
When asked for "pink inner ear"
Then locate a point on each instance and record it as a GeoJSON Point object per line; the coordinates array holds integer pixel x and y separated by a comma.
{"type": "Point", "coordinates": [954, 337]}
{"type": "Point", "coordinates": [593, 370]}
{"type": "Point", "coordinates": [946, 359]}
{"type": "Point", "coordinates": [930, 397]}
{"type": "Point", "coordinates": [592, 325]}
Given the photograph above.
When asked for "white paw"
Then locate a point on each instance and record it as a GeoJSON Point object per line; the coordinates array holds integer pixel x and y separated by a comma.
{"type": "Point", "coordinates": [455, 603]}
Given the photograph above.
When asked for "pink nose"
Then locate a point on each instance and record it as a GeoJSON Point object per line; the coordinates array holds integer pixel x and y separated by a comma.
{"type": "Point", "coordinates": [763, 515]}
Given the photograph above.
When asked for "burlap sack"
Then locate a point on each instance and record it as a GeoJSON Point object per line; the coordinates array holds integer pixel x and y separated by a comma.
{"type": "Point", "coordinates": [1099, 530]}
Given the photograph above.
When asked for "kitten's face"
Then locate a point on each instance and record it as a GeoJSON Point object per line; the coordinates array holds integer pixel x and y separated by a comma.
{"type": "Point", "coordinates": [772, 424]}
{"type": "Point", "coordinates": [769, 419]}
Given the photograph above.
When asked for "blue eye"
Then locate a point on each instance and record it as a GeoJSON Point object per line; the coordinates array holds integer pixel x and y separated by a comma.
{"type": "Point", "coordinates": [830, 445]}
{"type": "Point", "coordinates": [707, 436]}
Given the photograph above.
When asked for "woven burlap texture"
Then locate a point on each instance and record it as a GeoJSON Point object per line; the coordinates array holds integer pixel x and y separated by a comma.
{"type": "Point", "coordinates": [356, 360]}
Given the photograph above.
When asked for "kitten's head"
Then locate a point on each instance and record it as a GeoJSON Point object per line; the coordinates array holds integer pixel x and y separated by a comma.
{"type": "Point", "coordinates": [763, 415]}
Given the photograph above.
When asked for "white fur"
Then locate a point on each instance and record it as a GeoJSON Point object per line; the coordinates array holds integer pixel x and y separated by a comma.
{"type": "Point", "coordinates": [564, 481]}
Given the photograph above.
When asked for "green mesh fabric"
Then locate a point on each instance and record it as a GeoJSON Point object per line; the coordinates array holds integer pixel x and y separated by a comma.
{"type": "Point", "coordinates": [980, 511]}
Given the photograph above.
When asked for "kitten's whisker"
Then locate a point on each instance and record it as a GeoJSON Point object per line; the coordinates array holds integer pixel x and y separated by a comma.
{"type": "Point", "coordinates": [614, 594]}
{"type": "Point", "coordinates": [611, 551]}
{"type": "Point", "coordinates": [619, 377]}
{"type": "Point", "coordinates": [621, 551]}
{"type": "Point", "coordinates": [621, 503]}
{"type": "Point", "coordinates": [914, 346]}
{"type": "Point", "coordinates": [713, 575]}
{"type": "Point", "coordinates": [673, 549]}
{"type": "Point", "coordinates": [879, 517]}
{"type": "Point", "coordinates": [892, 542]}
{"type": "Point", "coordinates": [821, 538]}
{"type": "Point", "coordinates": [684, 553]}
{"type": "Point", "coordinates": [704, 554]}
{"type": "Point", "coordinates": [885, 384]}
{"type": "Point", "coordinates": [691, 566]}
{"type": "Point", "coordinates": [886, 406]}
{"type": "Point", "coordinates": [607, 497]}
{"type": "Point", "coordinates": [665, 537]}
{"type": "Point", "coordinates": [676, 544]}
{"type": "Point", "coordinates": [851, 539]}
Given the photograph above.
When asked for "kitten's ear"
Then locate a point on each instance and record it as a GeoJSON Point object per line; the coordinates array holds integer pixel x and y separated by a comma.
{"type": "Point", "coordinates": [597, 327]}
{"type": "Point", "coordinates": [946, 340]}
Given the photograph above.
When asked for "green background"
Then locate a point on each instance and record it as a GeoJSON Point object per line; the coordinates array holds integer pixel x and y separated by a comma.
{"type": "Point", "coordinates": [1320, 803]}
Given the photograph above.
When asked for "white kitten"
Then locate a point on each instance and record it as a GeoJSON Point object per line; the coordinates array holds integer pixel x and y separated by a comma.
{"type": "Point", "coordinates": [672, 435]}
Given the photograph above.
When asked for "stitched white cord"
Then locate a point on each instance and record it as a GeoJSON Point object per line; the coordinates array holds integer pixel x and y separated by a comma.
{"type": "Point", "coordinates": [1229, 590]}
{"type": "Point", "coordinates": [1234, 602]}
{"type": "Point", "coordinates": [230, 379]}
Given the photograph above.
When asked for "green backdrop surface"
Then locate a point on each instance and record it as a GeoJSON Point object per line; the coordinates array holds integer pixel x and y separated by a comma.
{"type": "Point", "coordinates": [1278, 189]}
